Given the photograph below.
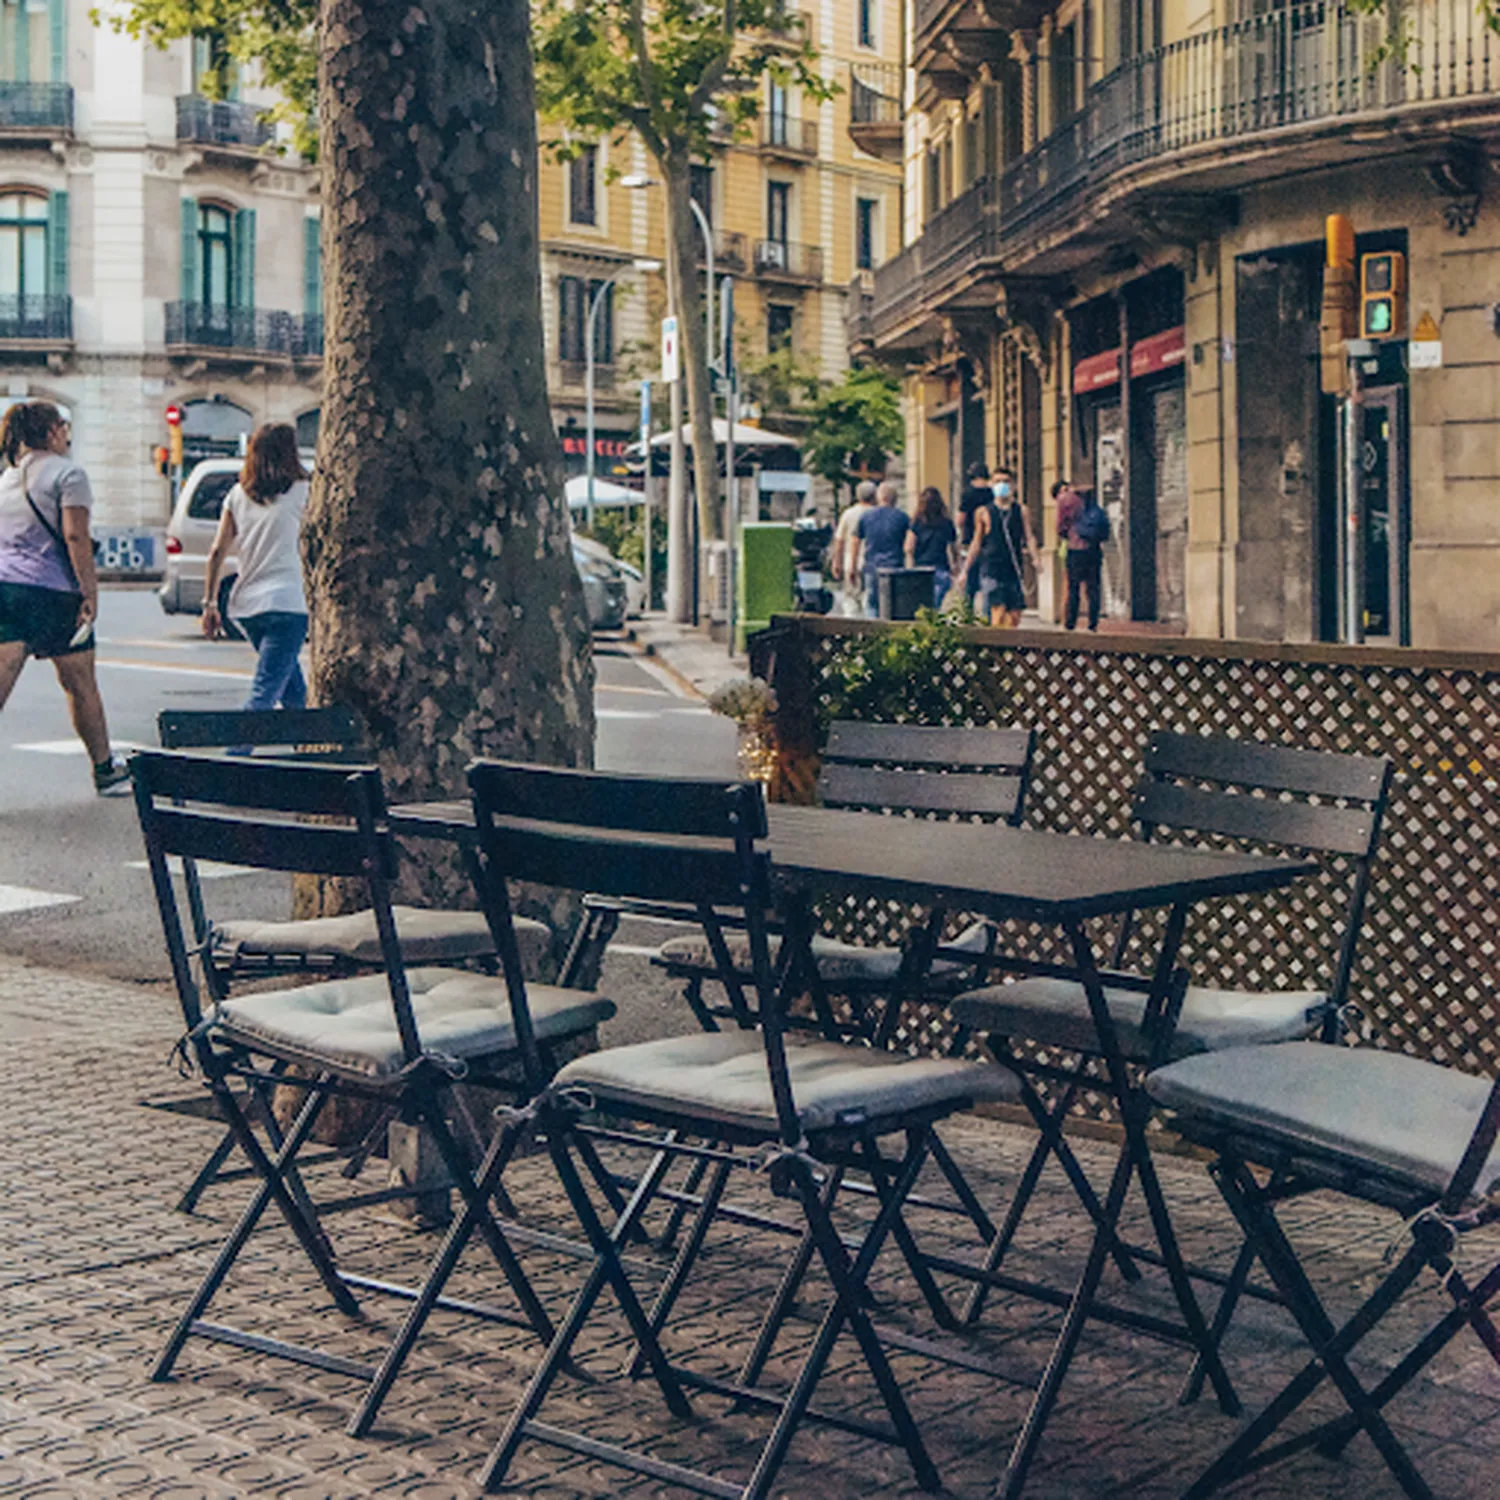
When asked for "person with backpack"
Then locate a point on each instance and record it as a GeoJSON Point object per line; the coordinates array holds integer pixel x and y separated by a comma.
{"type": "Point", "coordinates": [49, 592]}
{"type": "Point", "coordinates": [1083, 528]}
{"type": "Point", "coordinates": [1001, 542]}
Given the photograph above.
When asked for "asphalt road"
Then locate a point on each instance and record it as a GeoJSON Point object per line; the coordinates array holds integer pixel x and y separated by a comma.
{"type": "Point", "coordinates": [74, 892]}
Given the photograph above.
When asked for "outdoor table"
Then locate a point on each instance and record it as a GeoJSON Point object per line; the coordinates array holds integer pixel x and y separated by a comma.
{"type": "Point", "coordinates": [1005, 873]}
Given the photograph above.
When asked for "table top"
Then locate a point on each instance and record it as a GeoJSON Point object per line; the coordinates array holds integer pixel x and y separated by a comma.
{"type": "Point", "coordinates": [985, 868]}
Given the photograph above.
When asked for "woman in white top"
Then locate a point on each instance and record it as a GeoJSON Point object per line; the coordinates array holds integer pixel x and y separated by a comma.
{"type": "Point", "coordinates": [263, 513]}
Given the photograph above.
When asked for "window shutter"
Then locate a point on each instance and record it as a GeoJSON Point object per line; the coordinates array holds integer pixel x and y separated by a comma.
{"type": "Point", "coordinates": [57, 245]}
{"type": "Point", "coordinates": [312, 267]}
{"type": "Point", "coordinates": [57, 20]}
{"type": "Point", "coordinates": [192, 278]}
{"type": "Point", "coordinates": [244, 258]}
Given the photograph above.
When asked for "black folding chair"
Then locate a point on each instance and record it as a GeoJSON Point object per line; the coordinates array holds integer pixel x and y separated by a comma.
{"type": "Point", "coordinates": [911, 769]}
{"type": "Point", "coordinates": [250, 949]}
{"type": "Point", "coordinates": [1378, 1127]}
{"type": "Point", "coordinates": [1229, 789]}
{"type": "Point", "coordinates": [400, 1038]}
{"type": "Point", "coordinates": [804, 1105]}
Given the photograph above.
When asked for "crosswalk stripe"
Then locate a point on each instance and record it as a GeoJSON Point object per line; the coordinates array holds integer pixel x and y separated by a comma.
{"type": "Point", "coordinates": [208, 869]}
{"type": "Point", "coordinates": [14, 898]}
{"type": "Point", "coordinates": [70, 747]}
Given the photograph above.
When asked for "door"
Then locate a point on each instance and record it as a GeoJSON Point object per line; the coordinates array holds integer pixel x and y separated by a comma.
{"type": "Point", "coordinates": [1384, 517]}
{"type": "Point", "coordinates": [1109, 490]}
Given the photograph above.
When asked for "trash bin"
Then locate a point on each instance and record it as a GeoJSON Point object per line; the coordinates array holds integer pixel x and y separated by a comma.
{"type": "Point", "coordinates": [901, 592]}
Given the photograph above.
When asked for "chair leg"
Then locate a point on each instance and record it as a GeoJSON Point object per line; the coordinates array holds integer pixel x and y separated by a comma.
{"type": "Point", "coordinates": [880, 1172]}
{"type": "Point", "coordinates": [273, 1186]}
{"type": "Point", "coordinates": [679, 1212]}
{"type": "Point", "coordinates": [1229, 1299]}
{"type": "Point", "coordinates": [207, 1173]}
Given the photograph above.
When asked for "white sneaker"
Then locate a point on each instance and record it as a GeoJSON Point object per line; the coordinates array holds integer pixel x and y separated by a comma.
{"type": "Point", "coordinates": [112, 780]}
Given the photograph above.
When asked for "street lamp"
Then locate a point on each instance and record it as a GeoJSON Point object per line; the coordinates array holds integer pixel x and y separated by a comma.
{"type": "Point", "coordinates": [596, 301]}
{"type": "Point", "coordinates": [639, 181]}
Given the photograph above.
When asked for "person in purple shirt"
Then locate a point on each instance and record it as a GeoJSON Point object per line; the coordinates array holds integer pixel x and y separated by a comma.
{"type": "Point", "coordinates": [882, 542]}
{"type": "Point", "coordinates": [49, 592]}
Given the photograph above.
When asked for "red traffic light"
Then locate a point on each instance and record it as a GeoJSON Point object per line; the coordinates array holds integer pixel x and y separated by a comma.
{"type": "Point", "coordinates": [174, 416]}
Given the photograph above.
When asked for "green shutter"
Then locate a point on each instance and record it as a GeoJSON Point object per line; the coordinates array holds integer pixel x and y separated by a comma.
{"type": "Point", "coordinates": [22, 39]}
{"type": "Point", "coordinates": [312, 267]}
{"type": "Point", "coordinates": [57, 19]}
{"type": "Point", "coordinates": [57, 245]}
{"type": "Point", "coordinates": [244, 258]}
{"type": "Point", "coordinates": [192, 277]}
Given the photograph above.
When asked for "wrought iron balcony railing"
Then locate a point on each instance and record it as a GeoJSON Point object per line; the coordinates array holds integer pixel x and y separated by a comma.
{"type": "Point", "coordinates": [874, 94]}
{"type": "Point", "coordinates": [244, 330]}
{"type": "Point", "coordinates": [785, 135]}
{"type": "Point", "coordinates": [36, 106]}
{"type": "Point", "coordinates": [41, 320]}
{"type": "Point", "coordinates": [729, 250]}
{"type": "Point", "coordinates": [782, 260]}
{"type": "Point", "coordinates": [220, 122]}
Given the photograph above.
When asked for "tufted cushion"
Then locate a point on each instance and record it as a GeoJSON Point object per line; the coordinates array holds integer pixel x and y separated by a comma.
{"type": "Point", "coordinates": [723, 1076]}
{"type": "Point", "coordinates": [426, 937]}
{"type": "Point", "coordinates": [1408, 1118]}
{"type": "Point", "coordinates": [838, 963]}
{"type": "Point", "coordinates": [1056, 1012]}
{"type": "Point", "coordinates": [349, 1025]}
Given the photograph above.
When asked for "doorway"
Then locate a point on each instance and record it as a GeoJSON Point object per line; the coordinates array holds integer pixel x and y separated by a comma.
{"type": "Point", "coordinates": [1384, 516]}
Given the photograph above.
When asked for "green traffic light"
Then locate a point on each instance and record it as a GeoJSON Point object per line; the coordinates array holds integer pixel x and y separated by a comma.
{"type": "Point", "coordinates": [1379, 314]}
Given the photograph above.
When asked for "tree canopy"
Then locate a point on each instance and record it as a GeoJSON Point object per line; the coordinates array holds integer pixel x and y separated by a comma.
{"type": "Point", "coordinates": [856, 424]}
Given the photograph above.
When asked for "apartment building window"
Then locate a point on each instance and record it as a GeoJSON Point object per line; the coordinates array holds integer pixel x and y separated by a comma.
{"type": "Point", "coordinates": [776, 115]}
{"type": "Point", "coordinates": [33, 41]}
{"type": "Point", "coordinates": [583, 187]}
{"type": "Point", "coordinates": [203, 62]}
{"type": "Point", "coordinates": [701, 187]}
{"type": "Point", "coordinates": [218, 255]}
{"type": "Point", "coordinates": [1065, 75]}
{"type": "Point", "coordinates": [866, 23]}
{"type": "Point", "coordinates": [778, 211]}
{"type": "Point", "coordinates": [778, 327]}
{"type": "Point", "coordinates": [574, 295]}
{"type": "Point", "coordinates": [865, 211]}
{"type": "Point", "coordinates": [972, 169]}
{"type": "Point", "coordinates": [24, 263]}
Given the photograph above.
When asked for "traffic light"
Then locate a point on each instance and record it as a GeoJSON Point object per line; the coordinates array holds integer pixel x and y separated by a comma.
{"type": "Point", "coordinates": [162, 459]}
{"type": "Point", "coordinates": [1338, 322]}
{"type": "Point", "coordinates": [1382, 295]}
{"type": "Point", "coordinates": [174, 446]}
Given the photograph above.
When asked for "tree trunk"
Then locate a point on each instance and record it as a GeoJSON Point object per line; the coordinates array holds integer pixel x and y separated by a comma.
{"type": "Point", "coordinates": [684, 241]}
{"type": "Point", "coordinates": [445, 606]}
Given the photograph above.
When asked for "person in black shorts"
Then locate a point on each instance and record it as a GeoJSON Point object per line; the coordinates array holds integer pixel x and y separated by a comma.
{"type": "Point", "coordinates": [49, 592]}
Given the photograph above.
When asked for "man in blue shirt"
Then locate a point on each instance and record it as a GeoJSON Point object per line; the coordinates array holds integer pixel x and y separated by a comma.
{"type": "Point", "coordinates": [882, 537]}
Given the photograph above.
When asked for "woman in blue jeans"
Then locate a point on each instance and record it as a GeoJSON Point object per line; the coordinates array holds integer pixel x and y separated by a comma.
{"type": "Point", "coordinates": [263, 515]}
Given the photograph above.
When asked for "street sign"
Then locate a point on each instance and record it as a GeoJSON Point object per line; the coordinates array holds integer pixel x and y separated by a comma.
{"type": "Point", "coordinates": [1425, 351]}
{"type": "Point", "coordinates": [645, 411]}
{"type": "Point", "coordinates": [174, 415]}
{"type": "Point", "coordinates": [671, 354]}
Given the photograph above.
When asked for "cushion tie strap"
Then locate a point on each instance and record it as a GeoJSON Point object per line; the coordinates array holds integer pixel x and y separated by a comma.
{"type": "Point", "coordinates": [778, 1160]}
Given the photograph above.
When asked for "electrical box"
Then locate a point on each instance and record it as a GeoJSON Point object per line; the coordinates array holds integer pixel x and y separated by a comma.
{"type": "Point", "coordinates": [766, 569]}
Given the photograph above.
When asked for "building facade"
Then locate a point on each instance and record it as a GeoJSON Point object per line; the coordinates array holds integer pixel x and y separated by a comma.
{"type": "Point", "coordinates": [1113, 272]}
{"type": "Point", "coordinates": [808, 203]}
{"type": "Point", "coordinates": [152, 252]}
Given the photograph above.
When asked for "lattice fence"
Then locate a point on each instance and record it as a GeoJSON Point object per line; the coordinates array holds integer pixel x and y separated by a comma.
{"type": "Point", "coordinates": [1426, 971]}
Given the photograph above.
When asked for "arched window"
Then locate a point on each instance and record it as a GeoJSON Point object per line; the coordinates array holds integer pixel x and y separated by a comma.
{"type": "Point", "coordinates": [216, 255]}
{"type": "Point", "coordinates": [23, 245]}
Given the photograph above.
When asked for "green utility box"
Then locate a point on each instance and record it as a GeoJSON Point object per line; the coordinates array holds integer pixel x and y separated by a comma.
{"type": "Point", "coordinates": [764, 570]}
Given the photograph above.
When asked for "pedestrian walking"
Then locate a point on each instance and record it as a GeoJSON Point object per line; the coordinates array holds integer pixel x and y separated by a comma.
{"type": "Point", "coordinates": [975, 497]}
{"type": "Point", "coordinates": [263, 514]}
{"type": "Point", "coordinates": [1083, 528]}
{"type": "Point", "coordinates": [932, 542]}
{"type": "Point", "coordinates": [49, 591]}
{"type": "Point", "coordinates": [1002, 539]}
{"type": "Point", "coordinates": [882, 542]}
{"type": "Point", "coordinates": [844, 558]}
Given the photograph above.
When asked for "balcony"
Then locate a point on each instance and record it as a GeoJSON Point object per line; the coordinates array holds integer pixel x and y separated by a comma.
{"type": "Point", "coordinates": [252, 334]}
{"type": "Point", "coordinates": [859, 330]}
{"type": "Point", "coordinates": [954, 38]}
{"type": "Point", "coordinates": [36, 322]}
{"type": "Point", "coordinates": [43, 110]}
{"type": "Point", "coordinates": [798, 32]}
{"type": "Point", "coordinates": [572, 374]}
{"type": "Point", "coordinates": [222, 125]}
{"type": "Point", "coordinates": [875, 109]}
{"type": "Point", "coordinates": [789, 138]}
{"type": "Point", "coordinates": [729, 250]}
{"type": "Point", "coordinates": [781, 260]}
{"type": "Point", "coordinates": [1292, 90]}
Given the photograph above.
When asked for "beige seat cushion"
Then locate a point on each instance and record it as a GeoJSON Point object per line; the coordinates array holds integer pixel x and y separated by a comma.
{"type": "Point", "coordinates": [1056, 1012]}
{"type": "Point", "coordinates": [1409, 1119]}
{"type": "Point", "coordinates": [838, 963]}
{"type": "Point", "coordinates": [426, 937]}
{"type": "Point", "coordinates": [723, 1076]}
{"type": "Point", "coordinates": [349, 1025]}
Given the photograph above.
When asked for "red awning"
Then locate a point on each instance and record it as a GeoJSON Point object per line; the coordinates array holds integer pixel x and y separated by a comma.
{"type": "Point", "coordinates": [1096, 372]}
{"type": "Point", "coordinates": [1162, 351]}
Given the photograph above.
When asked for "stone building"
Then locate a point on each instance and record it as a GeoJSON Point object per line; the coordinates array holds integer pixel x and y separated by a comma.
{"type": "Point", "coordinates": [1113, 267]}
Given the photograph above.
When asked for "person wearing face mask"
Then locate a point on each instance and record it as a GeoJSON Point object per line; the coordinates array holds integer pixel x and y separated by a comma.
{"type": "Point", "coordinates": [1002, 538]}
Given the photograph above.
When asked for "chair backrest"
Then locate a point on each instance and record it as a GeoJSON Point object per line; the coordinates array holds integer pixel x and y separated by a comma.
{"type": "Point", "coordinates": [915, 768]}
{"type": "Point", "coordinates": [1261, 794]}
{"type": "Point", "coordinates": [330, 733]}
{"type": "Point", "coordinates": [270, 815]}
{"type": "Point", "coordinates": [629, 837]}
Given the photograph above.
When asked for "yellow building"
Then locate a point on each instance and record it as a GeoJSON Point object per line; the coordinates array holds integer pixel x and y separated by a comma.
{"type": "Point", "coordinates": [801, 208]}
{"type": "Point", "coordinates": [1113, 273]}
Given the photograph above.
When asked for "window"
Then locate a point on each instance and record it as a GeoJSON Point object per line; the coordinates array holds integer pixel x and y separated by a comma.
{"type": "Point", "coordinates": [23, 246]}
{"type": "Point", "coordinates": [203, 61]}
{"type": "Point", "coordinates": [208, 499]}
{"type": "Point", "coordinates": [778, 327]}
{"type": "Point", "coordinates": [934, 181]}
{"type": "Point", "coordinates": [583, 179]}
{"type": "Point", "coordinates": [215, 255]}
{"type": "Point", "coordinates": [866, 23]}
{"type": "Point", "coordinates": [1064, 75]}
{"type": "Point", "coordinates": [31, 40]}
{"type": "Point", "coordinates": [218, 257]}
{"type": "Point", "coordinates": [778, 211]}
{"type": "Point", "coordinates": [574, 297]}
{"type": "Point", "coordinates": [701, 187]}
{"type": "Point", "coordinates": [865, 210]}
{"type": "Point", "coordinates": [776, 115]}
{"type": "Point", "coordinates": [972, 172]}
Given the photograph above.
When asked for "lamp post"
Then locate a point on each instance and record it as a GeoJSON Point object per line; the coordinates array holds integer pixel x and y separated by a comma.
{"type": "Point", "coordinates": [591, 323]}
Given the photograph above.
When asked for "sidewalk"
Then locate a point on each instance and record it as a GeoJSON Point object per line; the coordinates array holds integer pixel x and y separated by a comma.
{"type": "Point", "coordinates": [688, 652]}
{"type": "Point", "coordinates": [95, 1264]}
